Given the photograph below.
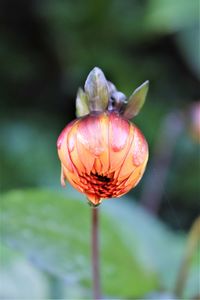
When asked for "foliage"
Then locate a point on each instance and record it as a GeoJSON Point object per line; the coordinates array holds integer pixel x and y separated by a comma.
{"type": "Point", "coordinates": [53, 231]}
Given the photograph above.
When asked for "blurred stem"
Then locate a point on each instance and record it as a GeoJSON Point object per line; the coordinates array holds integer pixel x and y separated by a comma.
{"type": "Point", "coordinates": [193, 240]}
{"type": "Point", "coordinates": [154, 186]}
{"type": "Point", "coordinates": [55, 287]}
{"type": "Point", "coordinates": [95, 253]}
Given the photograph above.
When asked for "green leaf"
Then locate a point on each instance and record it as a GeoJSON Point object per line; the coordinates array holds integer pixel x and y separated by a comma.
{"type": "Point", "coordinates": [82, 108]}
{"type": "Point", "coordinates": [188, 43]}
{"type": "Point", "coordinates": [96, 88]}
{"type": "Point", "coordinates": [53, 230]}
{"type": "Point", "coordinates": [171, 16]}
{"type": "Point", "coordinates": [19, 136]}
{"type": "Point", "coordinates": [136, 101]}
{"type": "Point", "coordinates": [14, 271]}
{"type": "Point", "coordinates": [153, 244]}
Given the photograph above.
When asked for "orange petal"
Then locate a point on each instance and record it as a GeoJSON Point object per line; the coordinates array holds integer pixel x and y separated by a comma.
{"type": "Point", "coordinates": [127, 167]}
{"type": "Point", "coordinates": [120, 166]}
{"type": "Point", "coordinates": [62, 145]}
{"type": "Point", "coordinates": [104, 156]}
{"type": "Point", "coordinates": [97, 167]}
{"type": "Point", "coordinates": [90, 134]}
{"type": "Point", "coordinates": [73, 150]}
{"type": "Point", "coordinates": [94, 199]}
{"type": "Point", "coordinates": [119, 132]}
{"type": "Point", "coordinates": [91, 140]}
{"type": "Point", "coordinates": [140, 148]}
{"type": "Point", "coordinates": [74, 180]}
{"type": "Point", "coordinates": [137, 155]}
{"type": "Point", "coordinates": [62, 177]}
{"type": "Point", "coordinates": [85, 156]}
{"type": "Point", "coordinates": [120, 141]}
{"type": "Point", "coordinates": [134, 178]}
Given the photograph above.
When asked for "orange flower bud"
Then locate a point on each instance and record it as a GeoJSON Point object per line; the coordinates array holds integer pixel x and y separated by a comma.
{"type": "Point", "coordinates": [102, 154]}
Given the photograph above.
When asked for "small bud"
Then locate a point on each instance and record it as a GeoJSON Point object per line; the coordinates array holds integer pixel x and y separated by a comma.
{"type": "Point", "coordinates": [116, 101]}
{"type": "Point", "coordinates": [96, 88]}
{"type": "Point", "coordinates": [111, 87]}
{"type": "Point", "coordinates": [136, 101]}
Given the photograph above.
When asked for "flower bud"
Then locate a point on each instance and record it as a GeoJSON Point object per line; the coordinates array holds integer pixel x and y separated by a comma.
{"type": "Point", "coordinates": [102, 154]}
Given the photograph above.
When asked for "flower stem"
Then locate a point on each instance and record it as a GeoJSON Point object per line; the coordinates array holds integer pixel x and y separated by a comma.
{"type": "Point", "coordinates": [155, 184]}
{"type": "Point", "coordinates": [193, 240]}
{"type": "Point", "coordinates": [95, 253]}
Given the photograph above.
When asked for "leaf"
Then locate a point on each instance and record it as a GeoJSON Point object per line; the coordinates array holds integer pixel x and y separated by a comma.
{"type": "Point", "coordinates": [19, 136]}
{"type": "Point", "coordinates": [156, 246]}
{"type": "Point", "coordinates": [53, 231]}
{"type": "Point", "coordinates": [188, 43]}
{"type": "Point", "coordinates": [82, 108]}
{"type": "Point", "coordinates": [96, 88]}
{"type": "Point", "coordinates": [14, 271]}
{"type": "Point", "coordinates": [171, 16]}
{"type": "Point", "coordinates": [136, 101]}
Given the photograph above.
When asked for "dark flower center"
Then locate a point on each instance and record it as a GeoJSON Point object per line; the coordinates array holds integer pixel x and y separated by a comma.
{"type": "Point", "coordinates": [103, 186]}
{"type": "Point", "coordinates": [100, 178]}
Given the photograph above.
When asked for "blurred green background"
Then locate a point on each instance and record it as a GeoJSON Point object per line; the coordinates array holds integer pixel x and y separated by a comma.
{"type": "Point", "coordinates": [47, 49]}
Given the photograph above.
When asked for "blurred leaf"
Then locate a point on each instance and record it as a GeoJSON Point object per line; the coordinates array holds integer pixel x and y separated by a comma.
{"type": "Point", "coordinates": [171, 16]}
{"type": "Point", "coordinates": [157, 246]}
{"type": "Point", "coordinates": [28, 155]}
{"type": "Point", "coordinates": [186, 161]}
{"type": "Point", "coordinates": [188, 43]}
{"type": "Point", "coordinates": [160, 296]}
{"type": "Point", "coordinates": [54, 232]}
{"type": "Point", "coordinates": [14, 271]}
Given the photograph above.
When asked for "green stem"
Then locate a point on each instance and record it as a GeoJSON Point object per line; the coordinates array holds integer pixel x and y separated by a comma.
{"type": "Point", "coordinates": [95, 253]}
{"type": "Point", "coordinates": [193, 240]}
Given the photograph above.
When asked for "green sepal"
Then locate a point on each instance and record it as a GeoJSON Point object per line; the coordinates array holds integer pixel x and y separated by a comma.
{"type": "Point", "coordinates": [96, 88]}
{"type": "Point", "coordinates": [93, 205]}
{"type": "Point", "coordinates": [82, 106]}
{"type": "Point", "coordinates": [136, 101]}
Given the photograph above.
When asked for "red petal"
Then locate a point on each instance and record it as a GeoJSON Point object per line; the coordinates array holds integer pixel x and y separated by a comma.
{"type": "Point", "coordinates": [74, 180]}
{"type": "Point", "coordinates": [119, 132]}
{"type": "Point", "coordinates": [73, 150]}
{"type": "Point", "coordinates": [120, 136]}
{"type": "Point", "coordinates": [90, 134]}
{"type": "Point", "coordinates": [92, 141]}
{"type": "Point", "coordinates": [63, 147]}
{"type": "Point", "coordinates": [64, 133]}
{"type": "Point", "coordinates": [140, 149]}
